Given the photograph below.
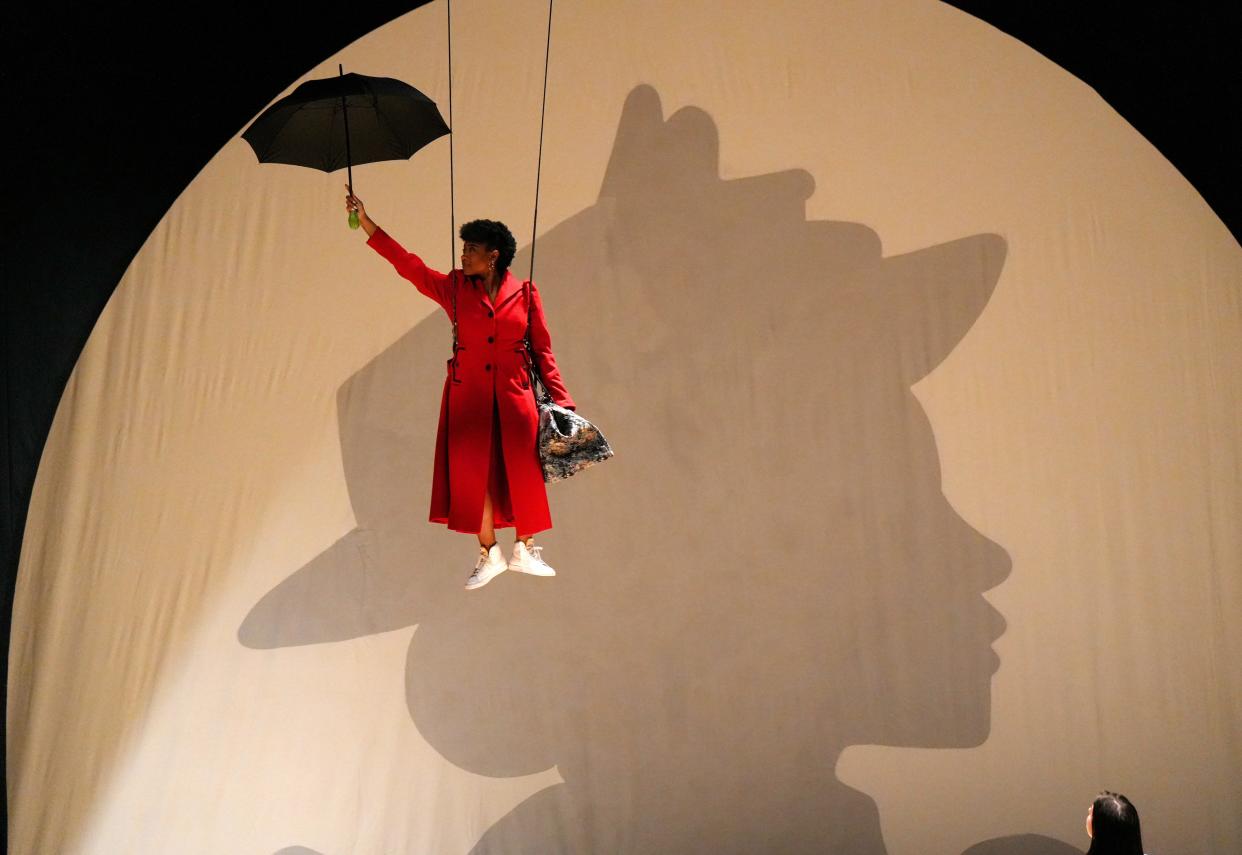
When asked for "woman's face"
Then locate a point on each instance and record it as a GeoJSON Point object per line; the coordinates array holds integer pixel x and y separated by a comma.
{"type": "Point", "coordinates": [477, 259]}
{"type": "Point", "coordinates": [1090, 810]}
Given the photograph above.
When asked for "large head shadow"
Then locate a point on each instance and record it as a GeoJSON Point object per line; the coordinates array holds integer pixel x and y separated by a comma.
{"type": "Point", "coordinates": [766, 573]}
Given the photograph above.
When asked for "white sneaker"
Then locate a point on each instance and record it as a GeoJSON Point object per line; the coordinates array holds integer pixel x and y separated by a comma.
{"type": "Point", "coordinates": [529, 561]}
{"type": "Point", "coordinates": [490, 565]}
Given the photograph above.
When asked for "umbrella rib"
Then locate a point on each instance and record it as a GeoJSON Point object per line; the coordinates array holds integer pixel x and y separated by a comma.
{"type": "Point", "coordinates": [308, 108]}
{"type": "Point", "coordinates": [392, 131]}
{"type": "Point", "coordinates": [333, 163]}
{"type": "Point", "coordinates": [271, 140]}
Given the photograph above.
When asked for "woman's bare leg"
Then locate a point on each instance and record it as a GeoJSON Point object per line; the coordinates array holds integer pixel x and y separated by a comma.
{"type": "Point", "coordinates": [487, 534]}
{"type": "Point", "coordinates": [528, 539]}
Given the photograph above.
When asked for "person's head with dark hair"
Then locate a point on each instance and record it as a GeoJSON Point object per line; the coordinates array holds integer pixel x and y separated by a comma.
{"type": "Point", "coordinates": [1113, 826]}
{"type": "Point", "coordinates": [487, 247]}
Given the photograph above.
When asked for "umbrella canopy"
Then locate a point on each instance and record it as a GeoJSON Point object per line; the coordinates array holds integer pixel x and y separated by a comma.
{"type": "Point", "coordinates": [385, 119]}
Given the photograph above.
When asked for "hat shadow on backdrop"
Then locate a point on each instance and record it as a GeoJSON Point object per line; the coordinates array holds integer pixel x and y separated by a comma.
{"type": "Point", "coordinates": [765, 574]}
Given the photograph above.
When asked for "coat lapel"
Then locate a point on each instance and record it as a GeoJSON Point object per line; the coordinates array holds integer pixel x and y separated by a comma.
{"type": "Point", "coordinates": [508, 289]}
{"type": "Point", "coordinates": [479, 291]}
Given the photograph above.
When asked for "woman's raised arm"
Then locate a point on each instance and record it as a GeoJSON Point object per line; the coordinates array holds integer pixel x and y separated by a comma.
{"type": "Point", "coordinates": [432, 283]}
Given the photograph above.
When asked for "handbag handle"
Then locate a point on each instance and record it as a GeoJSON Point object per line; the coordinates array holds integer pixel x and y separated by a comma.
{"type": "Point", "coordinates": [453, 289]}
{"type": "Point", "coordinates": [542, 395]}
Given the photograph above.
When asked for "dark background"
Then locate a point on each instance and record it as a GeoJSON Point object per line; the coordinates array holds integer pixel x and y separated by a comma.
{"type": "Point", "coordinates": [114, 108]}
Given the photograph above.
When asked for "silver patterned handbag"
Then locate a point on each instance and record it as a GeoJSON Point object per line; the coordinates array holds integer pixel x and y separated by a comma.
{"type": "Point", "coordinates": [568, 443]}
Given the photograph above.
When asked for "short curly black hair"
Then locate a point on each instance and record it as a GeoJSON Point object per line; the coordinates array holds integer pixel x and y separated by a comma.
{"type": "Point", "coordinates": [493, 235]}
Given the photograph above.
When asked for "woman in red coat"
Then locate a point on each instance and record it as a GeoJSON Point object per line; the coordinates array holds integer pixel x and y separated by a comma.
{"type": "Point", "coordinates": [487, 473]}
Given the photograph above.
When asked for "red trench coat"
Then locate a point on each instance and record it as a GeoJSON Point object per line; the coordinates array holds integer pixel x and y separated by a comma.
{"type": "Point", "coordinates": [488, 418]}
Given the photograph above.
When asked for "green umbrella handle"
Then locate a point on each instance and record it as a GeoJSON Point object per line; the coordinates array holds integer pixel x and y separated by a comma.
{"type": "Point", "coordinates": [353, 220]}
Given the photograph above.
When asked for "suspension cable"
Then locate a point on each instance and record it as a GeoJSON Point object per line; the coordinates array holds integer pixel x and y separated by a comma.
{"type": "Point", "coordinates": [452, 192]}
{"type": "Point", "coordinates": [543, 109]}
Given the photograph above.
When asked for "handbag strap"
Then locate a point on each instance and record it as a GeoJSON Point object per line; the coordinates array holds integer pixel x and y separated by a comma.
{"type": "Point", "coordinates": [526, 287]}
{"type": "Point", "coordinates": [530, 351]}
{"type": "Point", "coordinates": [536, 377]}
{"type": "Point", "coordinates": [453, 289]}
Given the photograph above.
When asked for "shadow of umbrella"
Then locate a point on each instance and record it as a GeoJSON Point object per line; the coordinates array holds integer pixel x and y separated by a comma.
{"type": "Point", "coordinates": [768, 574]}
{"type": "Point", "coordinates": [1023, 844]}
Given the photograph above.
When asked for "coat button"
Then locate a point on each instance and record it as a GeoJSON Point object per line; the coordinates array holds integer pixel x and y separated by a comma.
{"type": "Point", "coordinates": [490, 313]}
{"type": "Point", "coordinates": [490, 339]}
{"type": "Point", "coordinates": [487, 367]}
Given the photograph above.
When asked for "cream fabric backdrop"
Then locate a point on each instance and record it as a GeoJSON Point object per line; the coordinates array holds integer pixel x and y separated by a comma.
{"type": "Point", "coordinates": [1086, 434]}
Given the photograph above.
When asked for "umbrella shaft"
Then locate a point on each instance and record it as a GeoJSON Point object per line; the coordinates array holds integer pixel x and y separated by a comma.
{"type": "Point", "coordinates": [349, 160]}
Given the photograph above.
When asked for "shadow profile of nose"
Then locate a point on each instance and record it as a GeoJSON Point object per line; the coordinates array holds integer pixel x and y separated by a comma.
{"type": "Point", "coordinates": [997, 564]}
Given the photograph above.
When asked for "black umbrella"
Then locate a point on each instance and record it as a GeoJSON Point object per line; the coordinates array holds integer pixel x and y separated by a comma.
{"type": "Point", "coordinates": [339, 121]}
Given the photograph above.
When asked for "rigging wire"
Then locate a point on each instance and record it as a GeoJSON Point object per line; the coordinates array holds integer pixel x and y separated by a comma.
{"type": "Point", "coordinates": [543, 109]}
{"type": "Point", "coordinates": [452, 192]}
